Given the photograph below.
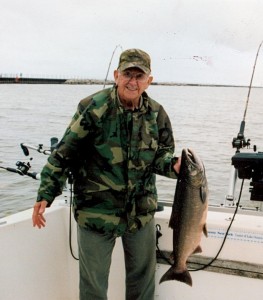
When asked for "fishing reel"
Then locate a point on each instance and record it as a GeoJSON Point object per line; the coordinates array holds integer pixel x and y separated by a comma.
{"type": "Point", "coordinates": [23, 167]}
{"type": "Point", "coordinates": [240, 141]}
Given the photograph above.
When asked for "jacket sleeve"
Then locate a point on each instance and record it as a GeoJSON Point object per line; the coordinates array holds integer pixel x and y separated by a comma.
{"type": "Point", "coordinates": [164, 159]}
{"type": "Point", "coordinates": [54, 173]}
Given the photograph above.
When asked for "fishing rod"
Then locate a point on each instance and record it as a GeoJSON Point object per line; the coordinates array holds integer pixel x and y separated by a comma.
{"type": "Point", "coordinates": [110, 64]}
{"type": "Point", "coordinates": [240, 141]}
{"type": "Point", "coordinates": [22, 169]}
{"type": "Point", "coordinates": [246, 165]}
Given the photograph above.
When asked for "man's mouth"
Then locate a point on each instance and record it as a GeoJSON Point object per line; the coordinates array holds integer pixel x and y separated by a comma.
{"type": "Point", "coordinates": [131, 88]}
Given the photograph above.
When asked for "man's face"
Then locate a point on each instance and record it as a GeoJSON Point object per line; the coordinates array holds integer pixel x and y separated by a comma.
{"type": "Point", "coordinates": [131, 84]}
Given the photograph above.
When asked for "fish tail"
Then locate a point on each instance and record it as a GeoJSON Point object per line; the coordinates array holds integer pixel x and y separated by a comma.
{"type": "Point", "coordinates": [183, 276]}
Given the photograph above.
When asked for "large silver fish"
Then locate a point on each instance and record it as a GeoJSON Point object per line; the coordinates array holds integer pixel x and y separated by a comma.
{"type": "Point", "coordinates": [188, 218]}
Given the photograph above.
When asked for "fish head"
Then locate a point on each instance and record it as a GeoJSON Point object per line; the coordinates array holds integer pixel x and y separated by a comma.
{"type": "Point", "coordinates": [192, 168]}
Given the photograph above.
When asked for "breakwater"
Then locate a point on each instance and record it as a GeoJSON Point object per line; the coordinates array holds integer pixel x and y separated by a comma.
{"type": "Point", "coordinates": [49, 80]}
{"type": "Point", "coordinates": [30, 80]}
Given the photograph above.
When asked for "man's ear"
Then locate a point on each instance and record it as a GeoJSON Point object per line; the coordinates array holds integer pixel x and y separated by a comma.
{"type": "Point", "coordinates": [116, 76]}
{"type": "Point", "coordinates": [150, 79]}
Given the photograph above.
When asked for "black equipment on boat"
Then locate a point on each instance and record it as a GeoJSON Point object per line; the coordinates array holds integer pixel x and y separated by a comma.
{"type": "Point", "coordinates": [250, 166]}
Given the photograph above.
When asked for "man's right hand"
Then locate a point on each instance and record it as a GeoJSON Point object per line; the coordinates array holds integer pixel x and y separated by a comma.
{"type": "Point", "coordinates": [38, 214]}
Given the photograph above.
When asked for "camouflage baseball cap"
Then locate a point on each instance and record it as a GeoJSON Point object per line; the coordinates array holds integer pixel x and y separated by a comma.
{"type": "Point", "coordinates": [135, 58]}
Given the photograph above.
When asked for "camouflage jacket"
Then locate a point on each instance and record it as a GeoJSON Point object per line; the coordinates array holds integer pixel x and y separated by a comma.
{"type": "Point", "coordinates": [114, 155]}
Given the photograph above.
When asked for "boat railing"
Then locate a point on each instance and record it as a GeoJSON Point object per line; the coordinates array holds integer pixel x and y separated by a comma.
{"type": "Point", "coordinates": [23, 168]}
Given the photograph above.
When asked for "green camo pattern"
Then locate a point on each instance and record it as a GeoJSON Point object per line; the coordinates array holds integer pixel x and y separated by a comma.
{"type": "Point", "coordinates": [114, 155]}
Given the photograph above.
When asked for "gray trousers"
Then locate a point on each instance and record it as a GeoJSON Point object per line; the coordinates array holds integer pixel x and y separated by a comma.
{"type": "Point", "coordinates": [95, 250]}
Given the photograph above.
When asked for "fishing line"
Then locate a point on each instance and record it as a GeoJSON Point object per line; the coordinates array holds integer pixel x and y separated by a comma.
{"type": "Point", "coordinates": [226, 234]}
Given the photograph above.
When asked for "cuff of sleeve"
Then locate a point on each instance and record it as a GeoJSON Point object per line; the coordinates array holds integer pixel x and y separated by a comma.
{"type": "Point", "coordinates": [45, 197]}
{"type": "Point", "coordinates": [174, 160]}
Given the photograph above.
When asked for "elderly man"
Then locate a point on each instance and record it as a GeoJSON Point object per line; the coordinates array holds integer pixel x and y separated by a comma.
{"type": "Point", "coordinates": [117, 141]}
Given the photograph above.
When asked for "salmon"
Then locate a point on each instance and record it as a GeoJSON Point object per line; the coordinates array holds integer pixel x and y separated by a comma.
{"type": "Point", "coordinates": [188, 217]}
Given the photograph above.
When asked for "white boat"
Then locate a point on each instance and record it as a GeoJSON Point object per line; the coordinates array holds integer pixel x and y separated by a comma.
{"type": "Point", "coordinates": [38, 264]}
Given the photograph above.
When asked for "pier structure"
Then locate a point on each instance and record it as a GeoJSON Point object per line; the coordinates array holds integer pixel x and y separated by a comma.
{"type": "Point", "coordinates": [45, 79]}
{"type": "Point", "coordinates": [37, 79]}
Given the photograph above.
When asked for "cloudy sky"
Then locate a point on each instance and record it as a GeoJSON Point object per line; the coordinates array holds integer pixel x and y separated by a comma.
{"type": "Point", "coordinates": [193, 41]}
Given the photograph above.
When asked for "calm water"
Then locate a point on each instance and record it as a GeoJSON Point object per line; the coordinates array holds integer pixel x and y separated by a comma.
{"type": "Point", "coordinates": [204, 118]}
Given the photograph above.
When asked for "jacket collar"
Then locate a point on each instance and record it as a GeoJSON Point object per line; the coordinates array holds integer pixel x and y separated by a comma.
{"type": "Point", "coordinates": [143, 101]}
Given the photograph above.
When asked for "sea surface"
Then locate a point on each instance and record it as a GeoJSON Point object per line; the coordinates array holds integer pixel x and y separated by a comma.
{"type": "Point", "coordinates": [203, 118]}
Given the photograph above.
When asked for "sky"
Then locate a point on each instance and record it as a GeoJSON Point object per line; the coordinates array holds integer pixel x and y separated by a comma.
{"type": "Point", "coordinates": [189, 41]}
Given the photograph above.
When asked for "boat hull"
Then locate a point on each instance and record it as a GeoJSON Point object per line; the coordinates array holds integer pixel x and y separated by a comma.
{"type": "Point", "coordinates": [37, 264]}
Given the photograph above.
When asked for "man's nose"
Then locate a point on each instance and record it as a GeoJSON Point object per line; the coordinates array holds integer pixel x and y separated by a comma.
{"type": "Point", "coordinates": [133, 79]}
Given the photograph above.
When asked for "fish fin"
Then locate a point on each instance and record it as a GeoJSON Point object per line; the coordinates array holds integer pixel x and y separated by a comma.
{"type": "Point", "coordinates": [198, 249]}
{"type": "Point", "coordinates": [183, 276]}
{"type": "Point", "coordinates": [205, 230]}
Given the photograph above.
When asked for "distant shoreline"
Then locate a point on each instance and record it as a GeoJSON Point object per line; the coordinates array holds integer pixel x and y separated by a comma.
{"type": "Point", "coordinates": [29, 80]}
{"type": "Point", "coordinates": [101, 82]}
